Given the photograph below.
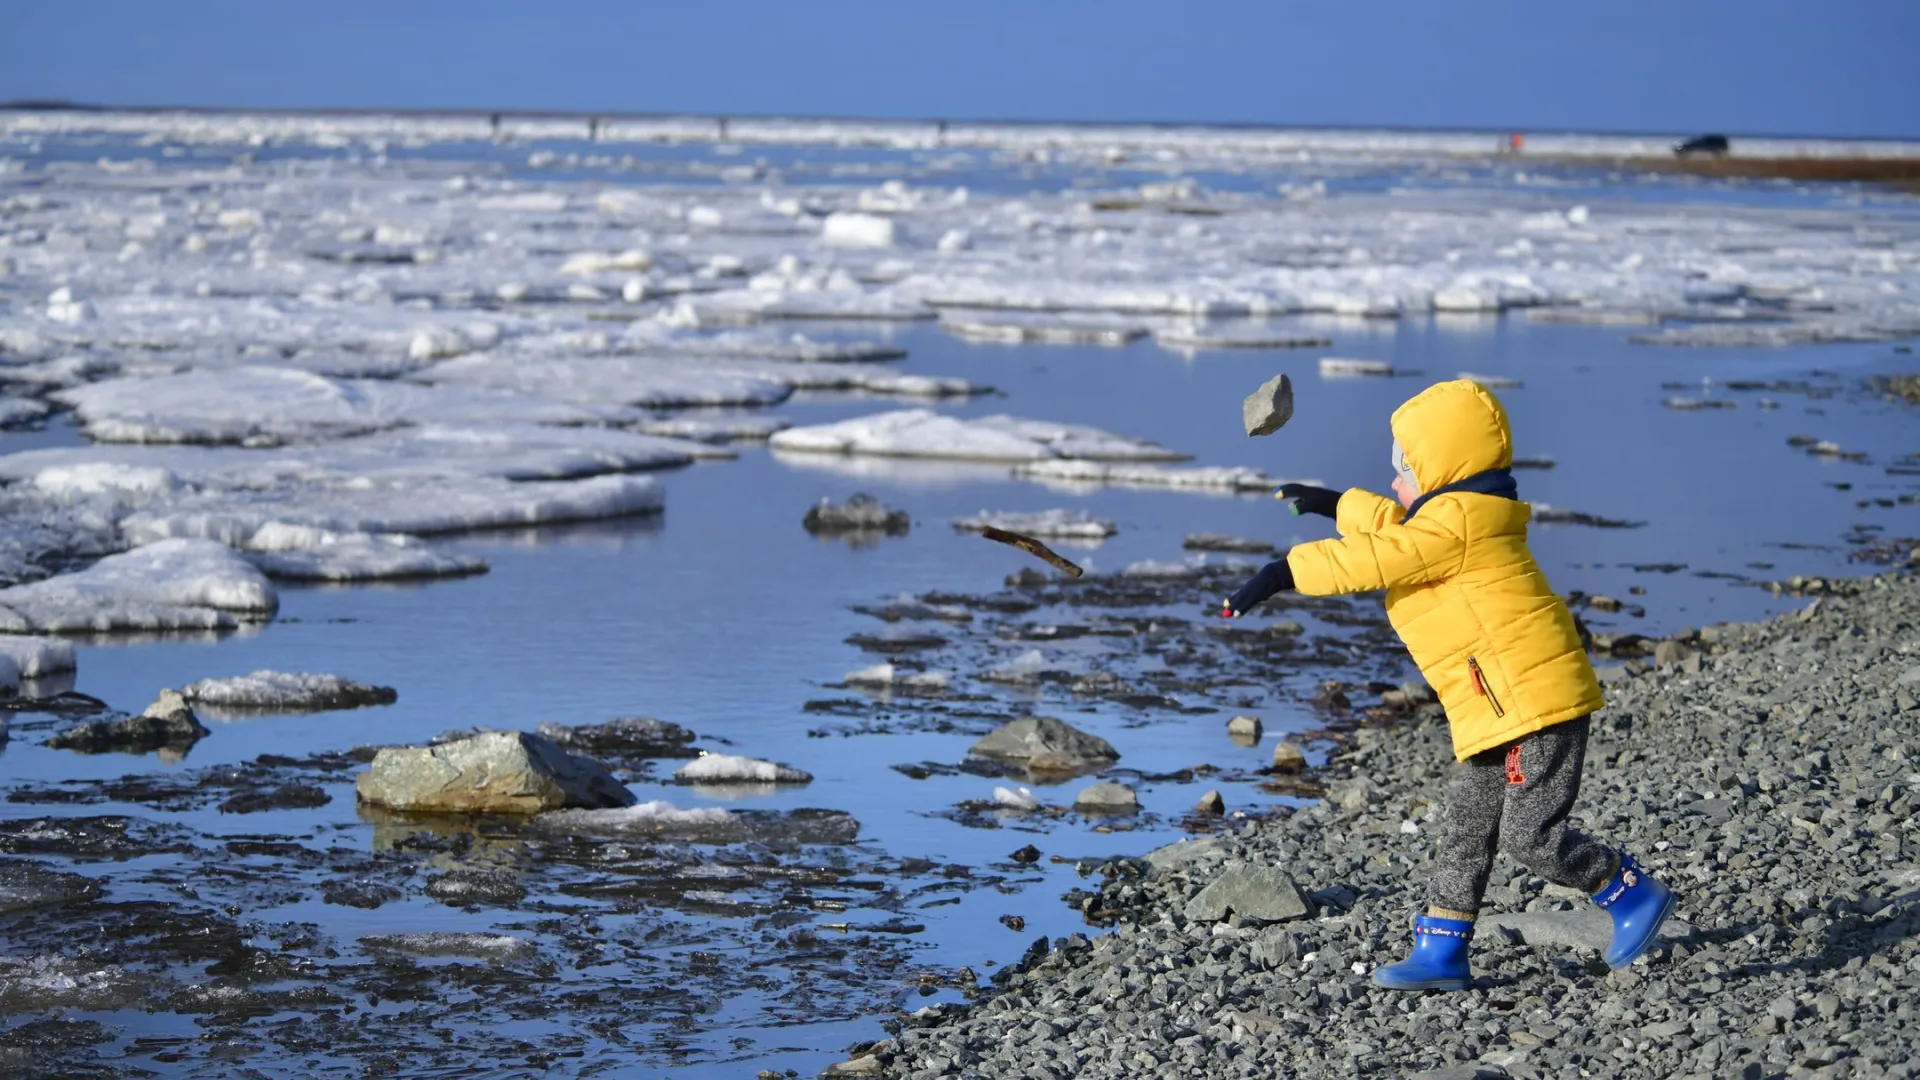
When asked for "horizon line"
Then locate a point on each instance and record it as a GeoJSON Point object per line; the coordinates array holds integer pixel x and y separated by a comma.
{"type": "Point", "coordinates": [68, 105]}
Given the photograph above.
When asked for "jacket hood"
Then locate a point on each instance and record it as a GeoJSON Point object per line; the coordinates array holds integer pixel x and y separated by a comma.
{"type": "Point", "coordinates": [1452, 430]}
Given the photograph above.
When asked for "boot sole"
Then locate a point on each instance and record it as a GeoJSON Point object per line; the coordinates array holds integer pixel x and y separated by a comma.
{"type": "Point", "coordinates": [1424, 984]}
{"type": "Point", "coordinates": [1646, 942]}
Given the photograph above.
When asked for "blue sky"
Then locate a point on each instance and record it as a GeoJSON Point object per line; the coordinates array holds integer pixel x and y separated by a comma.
{"type": "Point", "coordinates": [1752, 66]}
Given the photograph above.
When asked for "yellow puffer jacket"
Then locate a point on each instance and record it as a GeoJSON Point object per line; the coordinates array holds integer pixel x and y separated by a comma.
{"type": "Point", "coordinates": [1463, 591]}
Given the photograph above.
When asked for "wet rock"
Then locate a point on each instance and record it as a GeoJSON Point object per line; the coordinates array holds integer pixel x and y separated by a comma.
{"type": "Point", "coordinates": [1288, 758]}
{"type": "Point", "coordinates": [734, 769]}
{"type": "Point", "coordinates": [470, 888]}
{"type": "Point", "coordinates": [1223, 542]}
{"type": "Point", "coordinates": [1253, 893]}
{"type": "Point", "coordinates": [1107, 799]}
{"type": "Point", "coordinates": [1056, 743]}
{"type": "Point", "coordinates": [494, 948]}
{"type": "Point", "coordinates": [356, 893]}
{"type": "Point", "coordinates": [284, 797]}
{"type": "Point", "coordinates": [1245, 730]}
{"type": "Point", "coordinates": [861, 513]}
{"type": "Point", "coordinates": [26, 884]}
{"type": "Point", "coordinates": [167, 724]}
{"type": "Point", "coordinates": [1670, 653]}
{"type": "Point", "coordinates": [630, 737]}
{"type": "Point", "coordinates": [1211, 803]}
{"type": "Point", "coordinates": [498, 772]}
{"type": "Point", "coordinates": [1268, 409]}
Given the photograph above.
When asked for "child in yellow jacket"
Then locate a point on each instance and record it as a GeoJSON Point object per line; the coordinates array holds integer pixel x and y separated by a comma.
{"type": "Point", "coordinates": [1500, 649]}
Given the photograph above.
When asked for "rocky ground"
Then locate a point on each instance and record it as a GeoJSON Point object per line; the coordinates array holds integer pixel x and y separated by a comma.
{"type": "Point", "coordinates": [1766, 771]}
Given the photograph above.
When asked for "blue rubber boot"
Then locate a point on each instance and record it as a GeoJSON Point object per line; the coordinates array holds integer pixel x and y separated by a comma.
{"type": "Point", "coordinates": [1638, 905]}
{"type": "Point", "coordinates": [1439, 960]}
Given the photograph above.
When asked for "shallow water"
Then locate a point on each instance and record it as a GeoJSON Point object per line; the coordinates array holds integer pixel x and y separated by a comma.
{"type": "Point", "coordinates": [723, 615]}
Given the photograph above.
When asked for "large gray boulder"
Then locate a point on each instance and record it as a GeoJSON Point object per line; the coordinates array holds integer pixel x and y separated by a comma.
{"type": "Point", "coordinates": [1255, 893]}
{"type": "Point", "coordinates": [1041, 742]}
{"type": "Point", "coordinates": [500, 772]}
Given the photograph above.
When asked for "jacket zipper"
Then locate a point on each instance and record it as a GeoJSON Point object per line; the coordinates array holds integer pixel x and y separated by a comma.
{"type": "Point", "coordinates": [1485, 688]}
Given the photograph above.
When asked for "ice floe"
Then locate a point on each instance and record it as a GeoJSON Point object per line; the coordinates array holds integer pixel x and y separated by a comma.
{"type": "Point", "coordinates": [354, 557]}
{"type": "Point", "coordinates": [268, 406]}
{"type": "Point", "coordinates": [169, 585]}
{"type": "Point", "coordinates": [1078, 475]}
{"type": "Point", "coordinates": [472, 946]}
{"type": "Point", "coordinates": [1062, 524]}
{"type": "Point", "coordinates": [889, 676]}
{"type": "Point", "coordinates": [284, 691]}
{"type": "Point", "coordinates": [923, 433]}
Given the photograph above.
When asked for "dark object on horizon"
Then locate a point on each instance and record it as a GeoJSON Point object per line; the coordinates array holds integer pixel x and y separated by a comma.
{"type": "Point", "coordinates": [1716, 145]}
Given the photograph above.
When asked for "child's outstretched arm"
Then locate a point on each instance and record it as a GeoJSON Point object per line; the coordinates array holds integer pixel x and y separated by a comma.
{"type": "Point", "coordinates": [1431, 547]}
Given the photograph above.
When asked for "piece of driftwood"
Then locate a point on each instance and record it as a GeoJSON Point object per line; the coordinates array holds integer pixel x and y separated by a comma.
{"type": "Point", "coordinates": [1032, 547]}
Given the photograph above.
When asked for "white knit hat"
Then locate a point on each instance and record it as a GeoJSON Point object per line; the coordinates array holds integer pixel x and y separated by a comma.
{"type": "Point", "coordinates": [1400, 466]}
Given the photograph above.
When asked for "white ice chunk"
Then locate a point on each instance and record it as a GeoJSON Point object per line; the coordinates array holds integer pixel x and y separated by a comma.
{"type": "Point", "coordinates": [594, 262]}
{"type": "Point", "coordinates": [1013, 331]}
{"type": "Point", "coordinates": [1334, 367]}
{"type": "Point", "coordinates": [923, 433]}
{"type": "Point", "coordinates": [1068, 524]}
{"type": "Point", "coordinates": [169, 585]}
{"type": "Point", "coordinates": [1015, 799]}
{"type": "Point", "coordinates": [285, 691]}
{"type": "Point", "coordinates": [38, 657]}
{"type": "Point", "coordinates": [708, 429]}
{"type": "Point", "coordinates": [887, 675]}
{"type": "Point", "coordinates": [105, 478]}
{"type": "Point", "coordinates": [735, 769]}
{"type": "Point", "coordinates": [848, 230]}
{"type": "Point", "coordinates": [359, 557]}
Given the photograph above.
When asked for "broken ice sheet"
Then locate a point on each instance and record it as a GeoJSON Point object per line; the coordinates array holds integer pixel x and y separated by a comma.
{"type": "Point", "coordinates": [923, 433]}
{"type": "Point", "coordinates": [1051, 524]}
{"type": "Point", "coordinates": [660, 820]}
{"type": "Point", "coordinates": [262, 406]}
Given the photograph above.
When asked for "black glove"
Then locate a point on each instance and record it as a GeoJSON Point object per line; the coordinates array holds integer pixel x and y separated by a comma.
{"type": "Point", "coordinates": [1274, 577]}
{"type": "Point", "coordinates": [1308, 499]}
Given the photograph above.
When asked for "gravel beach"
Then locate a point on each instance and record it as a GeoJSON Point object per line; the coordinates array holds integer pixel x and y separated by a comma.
{"type": "Point", "coordinates": [1766, 771]}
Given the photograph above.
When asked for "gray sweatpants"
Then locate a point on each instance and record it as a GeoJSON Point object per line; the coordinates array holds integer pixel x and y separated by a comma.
{"type": "Point", "coordinates": [1516, 798]}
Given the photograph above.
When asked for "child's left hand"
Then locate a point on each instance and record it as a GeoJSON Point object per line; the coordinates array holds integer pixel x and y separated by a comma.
{"type": "Point", "coordinates": [1275, 577]}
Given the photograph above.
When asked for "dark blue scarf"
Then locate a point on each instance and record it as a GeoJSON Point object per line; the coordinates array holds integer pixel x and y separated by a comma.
{"type": "Point", "coordinates": [1497, 482]}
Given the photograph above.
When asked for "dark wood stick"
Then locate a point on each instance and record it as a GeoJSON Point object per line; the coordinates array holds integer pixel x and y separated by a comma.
{"type": "Point", "coordinates": [1032, 547]}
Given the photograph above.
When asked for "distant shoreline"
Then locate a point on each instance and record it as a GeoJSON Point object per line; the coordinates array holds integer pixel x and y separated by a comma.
{"type": "Point", "coordinates": [640, 115]}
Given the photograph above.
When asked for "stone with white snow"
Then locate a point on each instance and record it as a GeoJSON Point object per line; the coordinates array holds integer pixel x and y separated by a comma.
{"type": "Point", "coordinates": [286, 691]}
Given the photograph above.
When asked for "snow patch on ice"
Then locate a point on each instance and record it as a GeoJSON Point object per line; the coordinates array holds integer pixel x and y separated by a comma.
{"type": "Point", "coordinates": [1065, 524]}
{"type": "Point", "coordinates": [923, 433]}
{"type": "Point", "coordinates": [283, 691]}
